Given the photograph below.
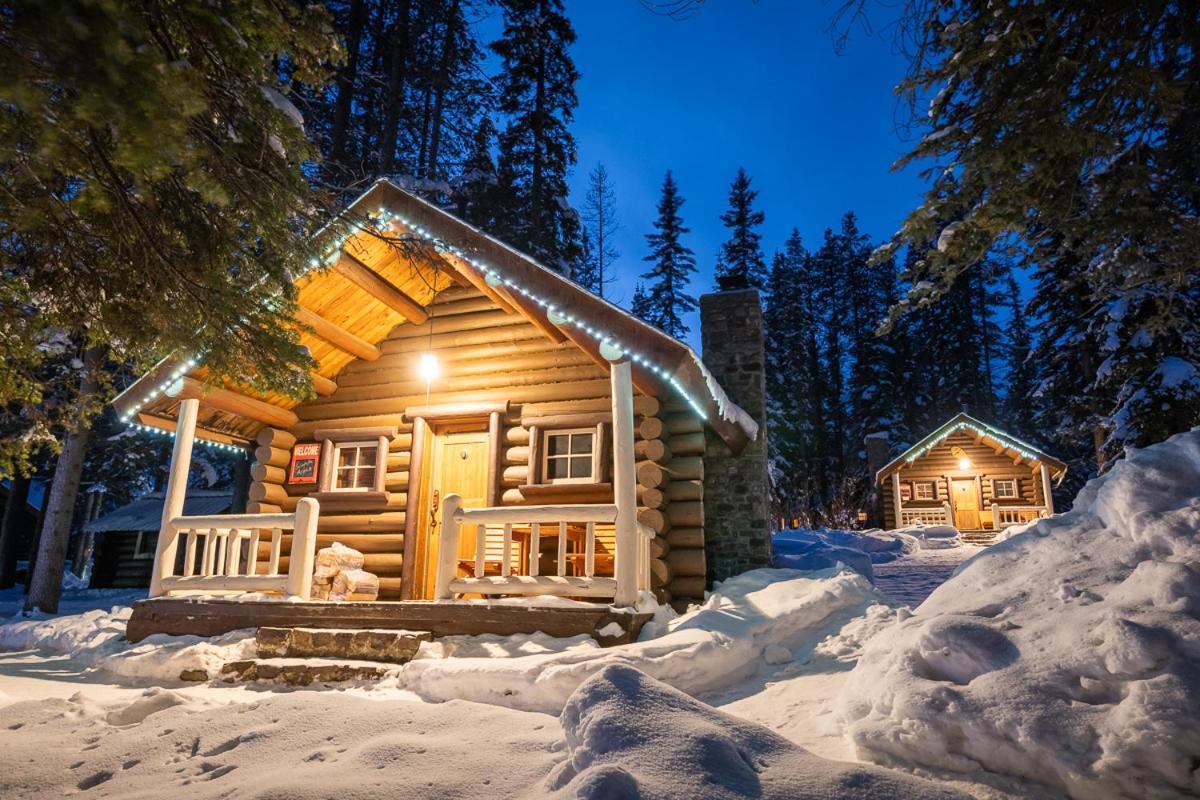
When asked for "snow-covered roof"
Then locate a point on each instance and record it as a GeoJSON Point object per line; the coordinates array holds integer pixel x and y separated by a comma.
{"type": "Point", "coordinates": [960, 421]}
{"type": "Point", "coordinates": [145, 513]}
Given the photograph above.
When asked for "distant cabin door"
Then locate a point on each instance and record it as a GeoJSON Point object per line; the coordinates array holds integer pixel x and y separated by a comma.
{"type": "Point", "coordinates": [458, 464]}
{"type": "Point", "coordinates": [966, 504]}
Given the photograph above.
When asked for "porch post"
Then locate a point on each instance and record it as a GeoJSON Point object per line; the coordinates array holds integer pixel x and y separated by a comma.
{"type": "Point", "coordinates": [624, 488]}
{"type": "Point", "coordinates": [177, 480]}
{"type": "Point", "coordinates": [896, 497]}
{"type": "Point", "coordinates": [1047, 494]}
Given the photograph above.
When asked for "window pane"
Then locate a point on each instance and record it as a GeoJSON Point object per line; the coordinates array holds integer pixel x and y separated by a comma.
{"type": "Point", "coordinates": [558, 445]}
{"type": "Point", "coordinates": [344, 478]}
{"type": "Point", "coordinates": [581, 443]}
{"type": "Point", "coordinates": [581, 467]}
{"type": "Point", "coordinates": [366, 477]}
{"type": "Point", "coordinates": [346, 456]}
{"type": "Point", "coordinates": [366, 456]}
{"type": "Point", "coordinates": [556, 468]}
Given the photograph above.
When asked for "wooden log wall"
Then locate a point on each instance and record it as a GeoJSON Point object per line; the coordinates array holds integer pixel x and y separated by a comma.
{"type": "Point", "coordinates": [488, 355]}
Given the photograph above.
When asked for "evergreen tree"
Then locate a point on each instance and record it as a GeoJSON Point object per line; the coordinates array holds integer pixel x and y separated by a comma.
{"type": "Point", "coordinates": [1020, 377]}
{"type": "Point", "coordinates": [1100, 157]}
{"type": "Point", "coordinates": [537, 149]}
{"type": "Point", "coordinates": [742, 255]}
{"type": "Point", "coordinates": [476, 189]}
{"type": "Point", "coordinates": [600, 226]}
{"type": "Point", "coordinates": [795, 407]}
{"type": "Point", "coordinates": [143, 195]}
{"type": "Point", "coordinates": [829, 290]}
{"type": "Point", "coordinates": [667, 300]}
{"type": "Point", "coordinates": [639, 306]}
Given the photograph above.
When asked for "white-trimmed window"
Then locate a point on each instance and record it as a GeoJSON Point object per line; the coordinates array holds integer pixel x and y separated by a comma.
{"type": "Point", "coordinates": [354, 465]}
{"type": "Point", "coordinates": [1005, 488]}
{"type": "Point", "coordinates": [144, 545]}
{"type": "Point", "coordinates": [924, 490]}
{"type": "Point", "coordinates": [569, 456]}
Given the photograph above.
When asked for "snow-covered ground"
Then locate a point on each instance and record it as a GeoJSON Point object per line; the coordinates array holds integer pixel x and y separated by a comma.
{"type": "Point", "coordinates": [1064, 660]}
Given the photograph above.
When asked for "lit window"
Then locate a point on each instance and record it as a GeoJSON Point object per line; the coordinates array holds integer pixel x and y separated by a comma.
{"type": "Point", "coordinates": [569, 457]}
{"type": "Point", "coordinates": [354, 466]}
{"type": "Point", "coordinates": [1005, 489]}
{"type": "Point", "coordinates": [924, 490]}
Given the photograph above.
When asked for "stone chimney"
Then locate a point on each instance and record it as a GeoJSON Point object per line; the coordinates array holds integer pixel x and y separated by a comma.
{"type": "Point", "coordinates": [737, 527]}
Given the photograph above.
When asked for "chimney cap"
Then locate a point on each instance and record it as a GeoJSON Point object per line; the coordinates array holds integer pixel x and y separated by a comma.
{"type": "Point", "coordinates": [732, 281]}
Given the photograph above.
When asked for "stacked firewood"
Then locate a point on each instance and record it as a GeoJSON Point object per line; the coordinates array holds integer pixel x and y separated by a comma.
{"type": "Point", "coordinates": [339, 575]}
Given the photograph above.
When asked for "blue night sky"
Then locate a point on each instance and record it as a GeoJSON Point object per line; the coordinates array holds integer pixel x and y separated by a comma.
{"type": "Point", "coordinates": [740, 83]}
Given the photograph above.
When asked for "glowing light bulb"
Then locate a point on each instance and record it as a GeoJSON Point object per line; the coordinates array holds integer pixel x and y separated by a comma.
{"type": "Point", "coordinates": [964, 463]}
{"type": "Point", "coordinates": [429, 368]}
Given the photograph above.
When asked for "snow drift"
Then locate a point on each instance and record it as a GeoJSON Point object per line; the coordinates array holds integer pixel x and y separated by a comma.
{"type": "Point", "coordinates": [1067, 655]}
{"type": "Point", "coordinates": [629, 735]}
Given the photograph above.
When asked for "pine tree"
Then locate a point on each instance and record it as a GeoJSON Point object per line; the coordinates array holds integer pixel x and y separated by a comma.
{"type": "Point", "coordinates": [741, 256]}
{"type": "Point", "coordinates": [832, 317]}
{"type": "Point", "coordinates": [600, 226]}
{"type": "Point", "coordinates": [1099, 159]}
{"type": "Point", "coordinates": [639, 306]}
{"type": "Point", "coordinates": [1020, 379]}
{"type": "Point", "coordinates": [667, 300]}
{"type": "Point", "coordinates": [537, 149]}
{"type": "Point", "coordinates": [795, 407]}
{"type": "Point", "coordinates": [476, 189]}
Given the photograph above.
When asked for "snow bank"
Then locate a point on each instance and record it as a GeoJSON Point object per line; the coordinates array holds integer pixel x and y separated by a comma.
{"type": "Point", "coordinates": [629, 735]}
{"type": "Point", "coordinates": [95, 639]}
{"type": "Point", "coordinates": [821, 548]}
{"type": "Point", "coordinates": [1067, 655]}
{"type": "Point", "coordinates": [708, 649]}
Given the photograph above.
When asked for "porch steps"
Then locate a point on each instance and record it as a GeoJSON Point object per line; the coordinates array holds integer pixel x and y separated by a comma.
{"type": "Point", "coordinates": [362, 644]}
{"type": "Point", "coordinates": [980, 537]}
{"type": "Point", "coordinates": [297, 672]}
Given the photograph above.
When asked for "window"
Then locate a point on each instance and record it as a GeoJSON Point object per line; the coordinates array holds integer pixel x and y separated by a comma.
{"type": "Point", "coordinates": [570, 457]}
{"type": "Point", "coordinates": [1004, 488]}
{"type": "Point", "coordinates": [924, 490]}
{"type": "Point", "coordinates": [144, 545]}
{"type": "Point", "coordinates": [354, 466]}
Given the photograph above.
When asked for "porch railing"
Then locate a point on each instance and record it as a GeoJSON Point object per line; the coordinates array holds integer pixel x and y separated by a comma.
{"type": "Point", "coordinates": [632, 542]}
{"type": "Point", "coordinates": [220, 553]}
{"type": "Point", "coordinates": [1007, 516]}
{"type": "Point", "coordinates": [933, 515]}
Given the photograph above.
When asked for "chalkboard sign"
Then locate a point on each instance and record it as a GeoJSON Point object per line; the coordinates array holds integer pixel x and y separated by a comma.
{"type": "Point", "coordinates": [305, 459]}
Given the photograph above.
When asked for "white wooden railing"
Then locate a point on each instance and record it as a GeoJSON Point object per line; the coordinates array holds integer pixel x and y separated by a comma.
{"type": "Point", "coordinates": [214, 560]}
{"type": "Point", "coordinates": [1007, 516]}
{"type": "Point", "coordinates": [632, 542]}
{"type": "Point", "coordinates": [934, 515]}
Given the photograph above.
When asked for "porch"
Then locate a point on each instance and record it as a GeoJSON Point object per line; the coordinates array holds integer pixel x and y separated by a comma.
{"type": "Point", "coordinates": [204, 566]}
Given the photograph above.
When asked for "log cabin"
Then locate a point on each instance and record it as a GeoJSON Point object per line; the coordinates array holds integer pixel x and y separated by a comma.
{"type": "Point", "coordinates": [482, 427]}
{"type": "Point", "coordinates": [970, 475]}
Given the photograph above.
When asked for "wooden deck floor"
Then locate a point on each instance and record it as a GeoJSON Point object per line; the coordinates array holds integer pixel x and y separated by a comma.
{"type": "Point", "coordinates": [180, 616]}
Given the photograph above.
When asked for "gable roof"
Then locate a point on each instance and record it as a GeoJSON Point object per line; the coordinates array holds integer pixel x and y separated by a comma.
{"type": "Point", "coordinates": [145, 513]}
{"type": "Point", "coordinates": [372, 285]}
{"type": "Point", "coordinates": [996, 437]}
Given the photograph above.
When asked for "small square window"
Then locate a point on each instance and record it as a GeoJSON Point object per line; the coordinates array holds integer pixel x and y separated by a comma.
{"type": "Point", "coordinates": [1005, 489]}
{"type": "Point", "coordinates": [145, 544]}
{"type": "Point", "coordinates": [354, 466]}
{"type": "Point", "coordinates": [569, 457]}
{"type": "Point", "coordinates": [924, 490]}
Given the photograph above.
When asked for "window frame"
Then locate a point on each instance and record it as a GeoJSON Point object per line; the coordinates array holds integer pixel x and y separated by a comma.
{"type": "Point", "coordinates": [336, 468]}
{"type": "Point", "coordinates": [1016, 489]}
{"type": "Point", "coordinates": [593, 456]}
{"type": "Point", "coordinates": [916, 493]}
{"type": "Point", "coordinates": [140, 542]}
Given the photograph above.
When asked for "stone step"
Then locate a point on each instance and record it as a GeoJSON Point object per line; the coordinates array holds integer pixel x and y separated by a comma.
{"type": "Point", "coordinates": [978, 537]}
{"type": "Point", "coordinates": [297, 672]}
{"type": "Point", "coordinates": [361, 644]}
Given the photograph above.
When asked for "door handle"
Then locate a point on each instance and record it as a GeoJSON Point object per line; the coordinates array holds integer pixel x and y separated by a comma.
{"type": "Point", "coordinates": [433, 510]}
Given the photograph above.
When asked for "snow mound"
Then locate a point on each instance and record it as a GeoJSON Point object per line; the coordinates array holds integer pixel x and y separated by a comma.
{"type": "Point", "coordinates": [709, 649]}
{"type": "Point", "coordinates": [97, 639]}
{"type": "Point", "coordinates": [628, 735]}
{"type": "Point", "coordinates": [1068, 654]}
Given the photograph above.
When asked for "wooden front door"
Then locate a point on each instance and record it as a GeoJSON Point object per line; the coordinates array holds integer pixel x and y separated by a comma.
{"type": "Point", "coordinates": [965, 493]}
{"type": "Point", "coordinates": [458, 464]}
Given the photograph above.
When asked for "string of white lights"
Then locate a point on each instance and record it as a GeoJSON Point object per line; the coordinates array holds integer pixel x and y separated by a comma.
{"type": "Point", "coordinates": [1014, 445]}
{"type": "Point", "coordinates": [493, 277]}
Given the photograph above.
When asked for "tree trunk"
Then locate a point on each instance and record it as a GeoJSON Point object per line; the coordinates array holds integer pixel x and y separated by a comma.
{"type": "Point", "coordinates": [46, 585]}
{"type": "Point", "coordinates": [10, 533]}
{"type": "Point", "coordinates": [395, 92]}
{"type": "Point", "coordinates": [346, 84]}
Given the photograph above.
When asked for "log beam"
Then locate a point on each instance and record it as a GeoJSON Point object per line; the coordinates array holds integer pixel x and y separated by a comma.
{"type": "Point", "coordinates": [380, 288]}
{"type": "Point", "coordinates": [233, 403]}
{"type": "Point", "coordinates": [337, 336]}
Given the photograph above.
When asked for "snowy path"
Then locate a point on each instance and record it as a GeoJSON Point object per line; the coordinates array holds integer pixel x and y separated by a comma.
{"type": "Point", "coordinates": [911, 579]}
